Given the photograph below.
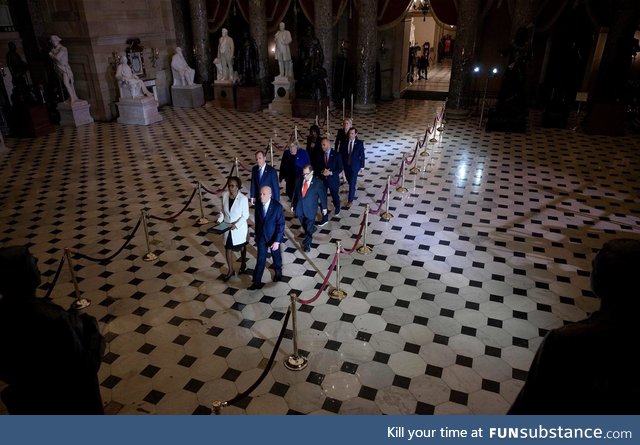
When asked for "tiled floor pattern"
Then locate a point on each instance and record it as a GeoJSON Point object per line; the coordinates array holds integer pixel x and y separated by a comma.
{"type": "Point", "coordinates": [438, 77]}
{"type": "Point", "coordinates": [489, 249]}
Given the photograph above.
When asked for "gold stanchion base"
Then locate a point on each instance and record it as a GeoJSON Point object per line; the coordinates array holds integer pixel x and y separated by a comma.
{"type": "Point", "coordinates": [337, 294]}
{"type": "Point", "coordinates": [296, 363]}
{"type": "Point", "coordinates": [433, 140]}
{"type": "Point", "coordinates": [203, 220]}
{"type": "Point", "coordinates": [414, 170]}
{"type": "Point", "coordinates": [386, 216]}
{"type": "Point", "coordinates": [364, 250]}
{"type": "Point", "coordinates": [424, 153]}
{"type": "Point", "coordinates": [150, 257]}
{"type": "Point", "coordinates": [402, 189]}
{"type": "Point", "coordinates": [217, 406]}
{"type": "Point", "coordinates": [81, 303]}
{"type": "Point", "coordinates": [440, 128]}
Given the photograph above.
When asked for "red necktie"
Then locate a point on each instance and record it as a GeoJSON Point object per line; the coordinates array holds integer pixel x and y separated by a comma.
{"type": "Point", "coordinates": [305, 187]}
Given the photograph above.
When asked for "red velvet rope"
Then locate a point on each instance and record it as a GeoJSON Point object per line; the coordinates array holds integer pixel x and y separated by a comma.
{"type": "Point", "coordinates": [400, 174]}
{"type": "Point", "coordinates": [128, 239]}
{"type": "Point", "coordinates": [169, 218]}
{"type": "Point", "coordinates": [413, 156]}
{"type": "Point", "coordinates": [216, 192]}
{"type": "Point", "coordinates": [324, 283]}
{"type": "Point", "coordinates": [355, 244]}
{"type": "Point", "coordinates": [382, 200]}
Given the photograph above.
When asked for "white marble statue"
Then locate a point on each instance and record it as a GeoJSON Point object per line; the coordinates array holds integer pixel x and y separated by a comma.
{"type": "Point", "coordinates": [183, 74]}
{"type": "Point", "coordinates": [226, 49]}
{"type": "Point", "coordinates": [412, 34]}
{"type": "Point", "coordinates": [130, 84]}
{"type": "Point", "coordinates": [283, 53]}
{"type": "Point", "coordinates": [60, 58]}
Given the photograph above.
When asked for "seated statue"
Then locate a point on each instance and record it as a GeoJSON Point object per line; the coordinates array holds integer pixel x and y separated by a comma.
{"type": "Point", "coordinates": [183, 74]}
{"type": "Point", "coordinates": [131, 86]}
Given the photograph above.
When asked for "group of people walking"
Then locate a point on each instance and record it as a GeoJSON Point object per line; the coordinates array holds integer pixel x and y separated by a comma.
{"type": "Point", "coordinates": [310, 175]}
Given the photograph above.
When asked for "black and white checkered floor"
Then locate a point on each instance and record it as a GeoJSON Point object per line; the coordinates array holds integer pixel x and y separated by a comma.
{"type": "Point", "coordinates": [489, 249]}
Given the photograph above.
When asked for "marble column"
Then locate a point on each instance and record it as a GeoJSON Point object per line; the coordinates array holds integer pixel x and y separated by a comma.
{"type": "Point", "coordinates": [201, 45]}
{"type": "Point", "coordinates": [258, 29]}
{"type": "Point", "coordinates": [323, 16]}
{"type": "Point", "coordinates": [366, 53]}
{"type": "Point", "coordinates": [468, 17]}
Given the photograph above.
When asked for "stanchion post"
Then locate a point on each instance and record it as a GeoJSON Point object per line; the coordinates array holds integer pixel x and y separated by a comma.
{"type": "Point", "coordinates": [401, 188]}
{"type": "Point", "coordinates": [295, 362]}
{"type": "Point", "coordinates": [80, 302]}
{"type": "Point", "coordinates": [217, 406]}
{"type": "Point", "coordinates": [425, 152]}
{"type": "Point", "coordinates": [364, 249]}
{"type": "Point", "coordinates": [270, 150]}
{"type": "Point", "coordinates": [433, 139]}
{"type": "Point", "coordinates": [237, 167]}
{"type": "Point", "coordinates": [336, 293]}
{"type": "Point", "coordinates": [386, 216]}
{"type": "Point", "coordinates": [203, 219]}
{"type": "Point", "coordinates": [149, 256]}
{"type": "Point", "coordinates": [415, 170]}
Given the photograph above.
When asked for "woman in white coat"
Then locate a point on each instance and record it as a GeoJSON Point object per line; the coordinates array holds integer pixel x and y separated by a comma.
{"type": "Point", "coordinates": [235, 212]}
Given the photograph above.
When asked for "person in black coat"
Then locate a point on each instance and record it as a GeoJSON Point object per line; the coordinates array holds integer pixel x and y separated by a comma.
{"type": "Point", "coordinates": [261, 175]}
{"type": "Point", "coordinates": [329, 167]}
{"type": "Point", "coordinates": [49, 357]}
{"type": "Point", "coordinates": [589, 367]}
{"type": "Point", "coordinates": [269, 234]}
{"type": "Point", "coordinates": [308, 192]}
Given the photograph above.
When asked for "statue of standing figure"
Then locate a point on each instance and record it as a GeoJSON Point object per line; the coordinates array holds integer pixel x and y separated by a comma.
{"type": "Point", "coordinates": [60, 58]}
{"type": "Point", "coordinates": [226, 49]}
{"type": "Point", "coordinates": [248, 61]}
{"type": "Point", "coordinates": [283, 52]}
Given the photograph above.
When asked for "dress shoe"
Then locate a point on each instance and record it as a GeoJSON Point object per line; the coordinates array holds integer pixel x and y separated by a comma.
{"type": "Point", "coordinates": [243, 268]}
{"type": "Point", "coordinates": [277, 278]}
{"type": "Point", "coordinates": [228, 276]}
{"type": "Point", "coordinates": [256, 286]}
{"type": "Point", "coordinates": [337, 212]}
{"type": "Point", "coordinates": [325, 220]}
{"type": "Point", "coordinates": [307, 249]}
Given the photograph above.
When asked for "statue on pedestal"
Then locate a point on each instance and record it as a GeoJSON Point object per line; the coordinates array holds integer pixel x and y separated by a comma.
{"type": "Point", "coordinates": [130, 85]}
{"type": "Point", "coordinates": [283, 52]}
{"type": "Point", "coordinates": [312, 84]}
{"type": "Point", "coordinates": [60, 58]}
{"type": "Point", "coordinates": [226, 49]}
{"type": "Point", "coordinates": [183, 74]}
{"type": "Point", "coordinates": [248, 67]}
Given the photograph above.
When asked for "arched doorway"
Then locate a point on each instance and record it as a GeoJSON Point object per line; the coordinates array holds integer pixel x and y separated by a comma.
{"type": "Point", "coordinates": [430, 50]}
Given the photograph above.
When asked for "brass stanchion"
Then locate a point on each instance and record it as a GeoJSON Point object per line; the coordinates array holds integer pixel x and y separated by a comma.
{"type": "Point", "coordinates": [271, 150]}
{"type": "Point", "coordinates": [79, 303]}
{"type": "Point", "coordinates": [415, 170]}
{"type": "Point", "coordinates": [441, 126]}
{"type": "Point", "coordinates": [425, 152]}
{"type": "Point", "coordinates": [295, 362]}
{"type": "Point", "coordinates": [364, 249]}
{"type": "Point", "coordinates": [386, 216]}
{"type": "Point", "coordinates": [336, 293]}
{"type": "Point", "coordinates": [217, 406]}
{"type": "Point", "coordinates": [202, 219]}
{"type": "Point", "coordinates": [433, 139]}
{"type": "Point", "coordinates": [424, 164]}
{"type": "Point", "coordinates": [149, 256]}
{"type": "Point", "coordinates": [237, 168]}
{"type": "Point", "coordinates": [401, 188]}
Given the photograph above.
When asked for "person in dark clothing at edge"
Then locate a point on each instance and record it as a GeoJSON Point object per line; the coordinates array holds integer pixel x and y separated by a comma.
{"type": "Point", "coordinates": [49, 357]}
{"type": "Point", "coordinates": [589, 367]}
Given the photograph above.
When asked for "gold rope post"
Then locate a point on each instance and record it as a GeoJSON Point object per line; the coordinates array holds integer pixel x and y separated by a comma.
{"type": "Point", "coordinates": [237, 168]}
{"type": "Point", "coordinates": [425, 152]}
{"type": "Point", "coordinates": [79, 303]}
{"type": "Point", "coordinates": [364, 249]}
{"type": "Point", "coordinates": [217, 406]}
{"type": "Point", "coordinates": [415, 170]}
{"type": "Point", "coordinates": [336, 293]}
{"type": "Point", "coordinates": [386, 216]}
{"type": "Point", "coordinates": [149, 256]}
{"type": "Point", "coordinates": [203, 219]}
{"type": "Point", "coordinates": [295, 362]}
{"type": "Point", "coordinates": [401, 188]}
{"type": "Point", "coordinates": [271, 150]}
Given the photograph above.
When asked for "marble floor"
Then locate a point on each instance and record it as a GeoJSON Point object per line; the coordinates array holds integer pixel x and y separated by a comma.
{"type": "Point", "coordinates": [489, 249]}
{"type": "Point", "coordinates": [438, 77]}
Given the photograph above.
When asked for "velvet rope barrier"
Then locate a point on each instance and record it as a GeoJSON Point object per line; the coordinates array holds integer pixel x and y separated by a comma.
{"type": "Point", "coordinates": [169, 218]}
{"type": "Point", "coordinates": [214, 192]}
{"type": "Point", "coordinates": [110, 257]}
{"type": "Point", "coordinates": [244, 166]}
{"type": "Point", "coordinates": [415, 152]}
{"type": "Point", "coordinates": [355, 244]}
{"type": "Point", "coordinates": [55, 279]}
{"type": "Point", "coordinates": [381, 202]}
{"type": "Point", "coordinates": [266, 369]}
{"type": "Point", "coordinates": [400, 174]}
{"type": "Point", "coordinates": [324, 283]}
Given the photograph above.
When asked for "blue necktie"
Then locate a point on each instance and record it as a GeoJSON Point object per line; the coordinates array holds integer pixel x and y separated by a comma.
{"type": "Point", "coordinates": [264, 210]}
{"type": "Point", "coordinates": [260, 174]}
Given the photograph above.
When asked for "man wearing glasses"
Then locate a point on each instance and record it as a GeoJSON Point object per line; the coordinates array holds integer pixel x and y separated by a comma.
{"type": "Point", "coordinates": [308, 191]}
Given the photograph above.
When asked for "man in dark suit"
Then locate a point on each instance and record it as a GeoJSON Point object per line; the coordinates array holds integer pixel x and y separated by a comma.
{"type": "Point", "coordinates": [269, 233]}
{"type": "Point", "coordinates": [263, 175]}
{"type": "Point", "coordinates": [352, 160]}
{"type": "Point", "coordinates": [329, 164]}
{"type": "Point", "coordinates": [307, 193]}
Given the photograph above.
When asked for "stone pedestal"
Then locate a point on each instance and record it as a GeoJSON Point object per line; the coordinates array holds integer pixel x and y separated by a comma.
{"type": "Point", "coordinates": [310, 108]}
{"type": "Point", "coordinates": [249, 99]}
{"type": "Point", "coordinates": [223, 92]}
{"type": "Point", "coordinates": [138, 111]}
{"type": "Point", "coordinates": [75, 114]}
{"type": "Point", "coordinates": [283, 94]}
{"type": "Point", "coordinates": [187, 96]}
